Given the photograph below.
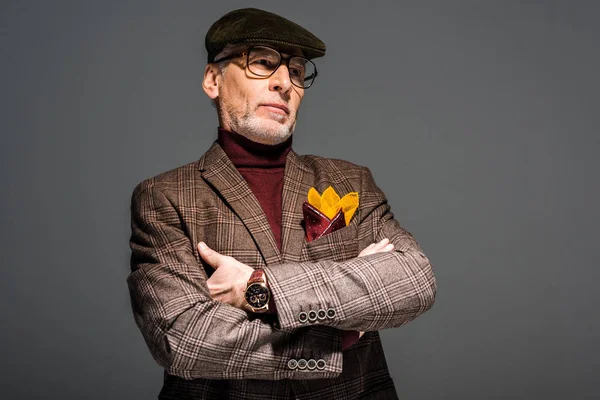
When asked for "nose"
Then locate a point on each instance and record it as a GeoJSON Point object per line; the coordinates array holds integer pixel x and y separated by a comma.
{"type": "Point", "coordinates": [280, 80]}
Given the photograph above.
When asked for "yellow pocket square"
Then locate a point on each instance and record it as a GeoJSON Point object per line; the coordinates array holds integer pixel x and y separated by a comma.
{"type": "Point", "coordinates": [329, 203]}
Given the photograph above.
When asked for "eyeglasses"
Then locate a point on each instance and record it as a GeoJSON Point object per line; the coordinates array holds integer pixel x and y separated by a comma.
{"type": "Point", "coordinates": [263, 61]}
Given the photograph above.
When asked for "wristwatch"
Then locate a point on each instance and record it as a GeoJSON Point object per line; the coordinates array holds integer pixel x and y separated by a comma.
{"type": "Point", "coordinates": [257, 292]}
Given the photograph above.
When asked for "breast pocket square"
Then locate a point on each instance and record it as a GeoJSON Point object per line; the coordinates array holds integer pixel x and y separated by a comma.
{"type": "Point", "coordinates": [327, 212]}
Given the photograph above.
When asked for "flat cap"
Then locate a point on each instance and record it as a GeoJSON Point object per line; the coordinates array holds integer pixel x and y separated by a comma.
{"type": "Point", "coordinates": [251, 25]}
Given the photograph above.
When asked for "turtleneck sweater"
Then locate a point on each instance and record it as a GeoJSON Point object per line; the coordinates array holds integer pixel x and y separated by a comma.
{"type": "Point", "coordinates": [263, 166]}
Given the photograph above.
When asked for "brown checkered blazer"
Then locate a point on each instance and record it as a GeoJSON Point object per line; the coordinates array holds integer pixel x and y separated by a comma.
{"type": "Point", "coordinates": [211, 350]}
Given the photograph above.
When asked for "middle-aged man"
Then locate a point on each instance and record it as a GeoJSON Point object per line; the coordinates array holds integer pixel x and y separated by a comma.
{"type": "Point", "coordinates": [258, 273]}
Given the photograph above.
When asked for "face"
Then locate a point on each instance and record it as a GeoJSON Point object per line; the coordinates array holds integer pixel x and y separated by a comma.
{"type": "Point", "coordinates": [262, 109]}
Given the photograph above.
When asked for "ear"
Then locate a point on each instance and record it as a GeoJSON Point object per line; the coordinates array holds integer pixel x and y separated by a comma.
{"type": "Point", "coordinates": [210, 84]}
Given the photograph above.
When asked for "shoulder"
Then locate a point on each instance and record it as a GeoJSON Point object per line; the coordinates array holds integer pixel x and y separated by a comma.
{"type": "Point", "coordinates": [172, 180]}
{"type": "Point", "coordinates": [344, 176]}
{"type": "Point", "coordinates": [329, 166]}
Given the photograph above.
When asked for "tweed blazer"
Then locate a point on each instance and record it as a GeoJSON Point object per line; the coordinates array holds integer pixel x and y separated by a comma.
{"type": "Point", "coordinates": [211, 350]}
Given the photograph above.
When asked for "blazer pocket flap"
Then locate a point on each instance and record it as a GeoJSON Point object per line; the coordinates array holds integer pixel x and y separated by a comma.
{"type": "Point", "coordinates": [338, 245]}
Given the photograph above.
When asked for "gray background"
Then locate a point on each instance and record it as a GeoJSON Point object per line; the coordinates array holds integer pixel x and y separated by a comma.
{"type": "Point", "coordinates": [478, 119]}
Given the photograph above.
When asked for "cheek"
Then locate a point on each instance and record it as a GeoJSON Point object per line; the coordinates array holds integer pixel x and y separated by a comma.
{"type": "Point", "coordinates": [297, 100]}
{"type": "Point", "coordinates": [232, 98]}
{"type": "Point", "coordinates": [233, 90]}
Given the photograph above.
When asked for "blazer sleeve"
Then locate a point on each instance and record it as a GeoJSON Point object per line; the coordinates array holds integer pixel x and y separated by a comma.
{"type": "Point", "coordinates": [193, 336]}
{"type": "Point", "coordinates": [374, 292]}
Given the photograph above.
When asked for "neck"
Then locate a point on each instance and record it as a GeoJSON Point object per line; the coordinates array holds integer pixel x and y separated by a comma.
{"type": "Point", "coordinates": [244, 152]}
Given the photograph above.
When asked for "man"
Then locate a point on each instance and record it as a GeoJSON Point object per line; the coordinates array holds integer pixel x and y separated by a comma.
{"type": "Point", "coordinates": [258, 273]}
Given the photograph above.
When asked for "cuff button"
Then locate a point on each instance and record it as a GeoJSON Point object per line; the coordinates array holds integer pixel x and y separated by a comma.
{"type": "Point", "coordinates": [321, 364]}
{"type": "Point", "coordinates": [311, 364]}
{"type": "Point", "coordinates": [321, 314]}
{"type": "Point", "coordinates": [293, 364]}
{"type": "Point", "coordinates": [302, 363]}
{"type": "Point", "coordinates": [312, 315]}
{"type": "Point", "coordinates": [330, 313]}
{"type": "Point", "coordinates": [302, 317]}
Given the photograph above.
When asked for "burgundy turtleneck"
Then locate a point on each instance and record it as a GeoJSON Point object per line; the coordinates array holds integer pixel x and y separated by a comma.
{"type": "Point", "coordinates": [262, 166]}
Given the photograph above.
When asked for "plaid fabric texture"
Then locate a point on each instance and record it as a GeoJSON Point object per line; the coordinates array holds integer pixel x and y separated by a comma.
{"type": "Point", "coordinates": [212, 350]}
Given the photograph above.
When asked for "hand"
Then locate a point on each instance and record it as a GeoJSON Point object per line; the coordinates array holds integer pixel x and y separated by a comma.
{"type": "Point", "coordinates": [228, 283]}
{"type": "Point", "coordinates": [373, 248]}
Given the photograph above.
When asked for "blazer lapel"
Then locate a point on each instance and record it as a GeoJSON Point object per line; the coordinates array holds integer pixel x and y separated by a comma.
{"type": "Point", "coordinates": [298, 179]}
{"type": "Point", "coordinates": [219, 172]}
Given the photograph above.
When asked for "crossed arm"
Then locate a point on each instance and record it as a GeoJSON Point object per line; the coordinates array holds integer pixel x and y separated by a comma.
{"type": "Point", "coordinates": [228, 283]}
{"type": "Point", "coordinates": [192, 334]}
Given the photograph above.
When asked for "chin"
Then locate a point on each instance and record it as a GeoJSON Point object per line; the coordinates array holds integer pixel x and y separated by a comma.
{"type": "Point", "coordinates": [271, 138]}
{"type": "Point", "coordinates": [267, 132]}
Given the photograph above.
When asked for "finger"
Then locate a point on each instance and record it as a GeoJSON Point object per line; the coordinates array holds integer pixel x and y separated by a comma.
{"type": "Point", "coordinates": [389, 247]}
{"type": "Point", "coordinates": [366, 251]}
{"type": "Point", "coordinates": [380, 245]}
{"type": "Point", "coordinates": [209, 255]}
{"type": "Point", "coordinates": [374, 247]}
{"type": "Point", "coordinates": [216, 290]}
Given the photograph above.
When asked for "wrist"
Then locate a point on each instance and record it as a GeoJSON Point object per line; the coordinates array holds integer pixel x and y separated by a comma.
{"type": "Point", "coordinates": [257, 294]}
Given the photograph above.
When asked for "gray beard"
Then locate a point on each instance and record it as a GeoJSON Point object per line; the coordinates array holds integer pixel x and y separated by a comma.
{"type": "Point", "coordinates": [253, 129]}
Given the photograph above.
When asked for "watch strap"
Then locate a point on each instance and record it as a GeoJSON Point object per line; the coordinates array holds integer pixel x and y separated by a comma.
{"type": "Point", "coordinates": [258, 276]}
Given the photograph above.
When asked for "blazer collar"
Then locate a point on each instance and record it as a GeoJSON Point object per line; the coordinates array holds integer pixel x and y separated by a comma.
{"type": "Point", "coordinates": [220, 173]}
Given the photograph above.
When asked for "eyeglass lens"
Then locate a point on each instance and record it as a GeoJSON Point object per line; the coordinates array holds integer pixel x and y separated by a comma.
{"type": "Point", "coordinates": [263, 61]}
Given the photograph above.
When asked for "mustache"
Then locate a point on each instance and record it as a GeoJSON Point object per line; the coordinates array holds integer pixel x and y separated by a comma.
{"type": "Point", "coordinates": [278, 97]}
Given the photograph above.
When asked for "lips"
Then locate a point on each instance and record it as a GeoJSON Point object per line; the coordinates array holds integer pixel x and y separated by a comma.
{"type": "Point", "coordinates": [277, 105]}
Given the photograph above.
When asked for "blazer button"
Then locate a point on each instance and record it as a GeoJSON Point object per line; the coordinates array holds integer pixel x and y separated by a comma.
{"type": "Point", "coordinates": [312, 315]}
{"type": "Point", "coordinates": [330, 313]}
{"type": "Point", "coordinates": [293, 364]}
{"type": "Point", "coordinates": [321, 314]}
{"type": "Point", "coordinates": [321, 364]}
{"type": "Point", "coordinates": [302, 317]}
{"type": "Point", "coordinates": [311, 364]}
{"type": "Point", "coordinates": [302, 363]}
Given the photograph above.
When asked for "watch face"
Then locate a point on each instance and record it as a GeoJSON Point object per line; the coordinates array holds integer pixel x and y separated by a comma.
{"type": "Point", "coordinates": [257, 295]}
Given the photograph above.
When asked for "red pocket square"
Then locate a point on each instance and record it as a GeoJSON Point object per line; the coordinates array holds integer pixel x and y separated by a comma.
{"type": "Point", "coordinates": [317, 225]}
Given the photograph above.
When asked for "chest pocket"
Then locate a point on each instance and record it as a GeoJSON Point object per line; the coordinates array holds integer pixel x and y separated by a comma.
{"type": "Point", "coordinates": [339, 245]}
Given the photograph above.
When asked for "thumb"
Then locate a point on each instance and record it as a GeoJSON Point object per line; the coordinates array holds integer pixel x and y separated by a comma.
{"type": "Point", "coordinates": [209, 255]}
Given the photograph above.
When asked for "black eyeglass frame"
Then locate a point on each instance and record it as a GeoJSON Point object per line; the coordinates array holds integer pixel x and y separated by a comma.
{"type": "Point", "coordinates": [247, 54]}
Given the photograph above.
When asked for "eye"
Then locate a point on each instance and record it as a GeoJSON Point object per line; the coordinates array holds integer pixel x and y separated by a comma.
{"type": "Point", "coordinates": [264, 62]}
{"type": "Point", "coordinates": [296, 71]}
